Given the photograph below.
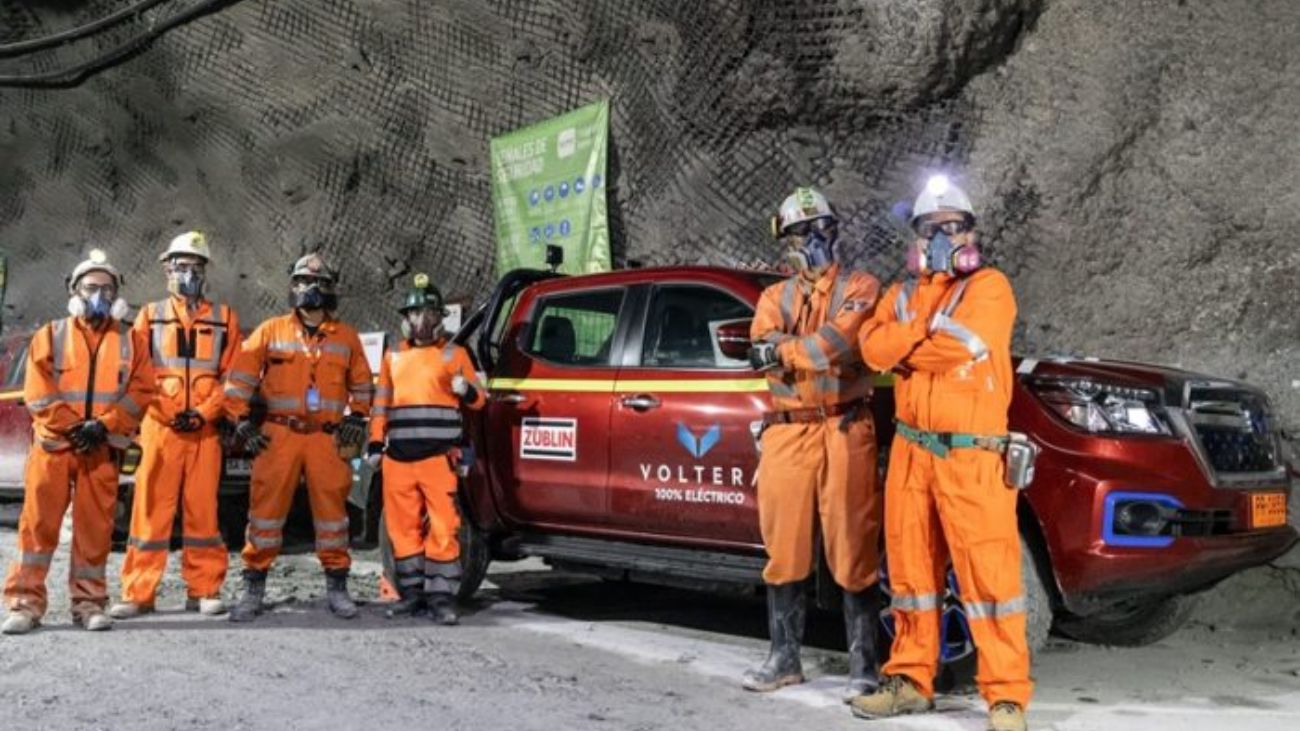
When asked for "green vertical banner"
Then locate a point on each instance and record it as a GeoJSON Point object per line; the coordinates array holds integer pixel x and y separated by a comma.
{"type": "Point", "coordinates": [548, 187]}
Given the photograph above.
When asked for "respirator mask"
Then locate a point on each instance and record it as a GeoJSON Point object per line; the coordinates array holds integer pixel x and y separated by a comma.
{"type": "Point", "coordinates": [95, 302]}
{"type": "Point", "coordinates": [940, 254]}
{"type": "Point", "coordinates": [310, 293]}
{"type": "Point", "coordinates": [185, 279]}
{"type": "Point", "coordinates": [815, 249]}
{"type": "Point", "coordinates": [422, 325]}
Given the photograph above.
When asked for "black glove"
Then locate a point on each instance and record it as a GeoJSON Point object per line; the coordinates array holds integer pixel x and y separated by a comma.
{"type": "Point", "coordinates": [374, 453]}
{"type": "Point", "coordinates": [251, 437]}
{"type": "Point", "coordinates": [763, 356]}
{"type": "Point", "coordinates": [87, 435]}
{"type": "Point", "coordinates": [188, 420]}
{"type": "Point", "coordinates": [351, 431]}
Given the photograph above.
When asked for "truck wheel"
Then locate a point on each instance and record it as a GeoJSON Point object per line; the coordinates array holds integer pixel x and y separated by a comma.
{"type": "Point", "coordinates": [1038, 604]}
{"type": "Point", "coordinates": [1130, 625]}
{"type": "Point", "coordinates": [122, 516]}
{"type": "Point", "coordinates": [232, 519]}
{"type": "Point", "coordinates": [474, 558]}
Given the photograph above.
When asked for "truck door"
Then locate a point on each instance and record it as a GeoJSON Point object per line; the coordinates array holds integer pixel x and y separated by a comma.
{"type": "Point", "coordinates": [552, 392]}
{"type": "Point", "coordinates": [683, 458]}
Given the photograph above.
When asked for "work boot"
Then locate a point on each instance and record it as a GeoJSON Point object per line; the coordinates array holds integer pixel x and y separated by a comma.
{"type": "Point", "coordinates": [19, 623]}
{"type": "Point", "coordinates": [1006, 716]}
{"type": "Point", "coordinates": [786, 605]}
{"type": "Point", "coordinates": [442, 609]}
{"type": "Point", "coordinates": [208, 606]}
{"type": "Point", "coordinates": [896, 696]}
{"type": "Point", "coordinates": [92, 617]}
{"type": "Point", "coordinates": [861, 615]}
{"type": "Point", "coordinates": [336, 594]}
{"type": "Point", "coordinates": [128, 610]}
{"type": "Point", "coordinates": [249, 603]}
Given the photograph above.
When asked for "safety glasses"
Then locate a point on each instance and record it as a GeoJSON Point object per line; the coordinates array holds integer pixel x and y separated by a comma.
{"type": "Point", "coordinates": [86, 289]}
{"type": "Point", "coordinates": [803, 228]}
{"type": "Point", "coordinates": [929, 229]}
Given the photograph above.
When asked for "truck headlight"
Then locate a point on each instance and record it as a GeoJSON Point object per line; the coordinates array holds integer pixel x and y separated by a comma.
{"type": "Point", "coordinates": [1104, 408]}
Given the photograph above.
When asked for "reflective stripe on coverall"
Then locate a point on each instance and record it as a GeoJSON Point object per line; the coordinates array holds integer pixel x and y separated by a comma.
{"type": "Point", "coordinates": [75, 373]}
{"type": "Point", "coordinates": [828, 465]}
{"type": "Point", "coordinates": [191, 353]}
{"type": "Point", "coordinates": [416, 411]}
{"type": "Point", "coordinates": [950, 343]}
{"type": "Point", "coordinates": [281, 359]}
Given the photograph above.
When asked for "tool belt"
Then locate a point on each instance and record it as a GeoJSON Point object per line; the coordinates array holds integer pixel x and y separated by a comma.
{"type": "Point", "coordinates": [299, 425]}
{"type": "Point", "coordinates": [940, 442]}
{"type": "Point", "coordinates": [850, 409]}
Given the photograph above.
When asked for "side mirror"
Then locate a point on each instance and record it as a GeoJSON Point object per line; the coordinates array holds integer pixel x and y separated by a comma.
{"type": "Point", "coordinates": [733, 339]}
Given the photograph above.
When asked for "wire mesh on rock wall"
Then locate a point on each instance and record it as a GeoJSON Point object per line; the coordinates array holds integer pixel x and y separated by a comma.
{"type": "Point", "coordinates": [361, 127]}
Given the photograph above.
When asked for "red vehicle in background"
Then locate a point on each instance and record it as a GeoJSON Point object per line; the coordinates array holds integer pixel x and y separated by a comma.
{"type": "Point", "coordinates": [620, 439]}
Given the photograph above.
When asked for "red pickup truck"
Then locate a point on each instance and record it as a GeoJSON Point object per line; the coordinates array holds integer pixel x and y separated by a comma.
{"type": "Point", "coordinates": [620, 440]}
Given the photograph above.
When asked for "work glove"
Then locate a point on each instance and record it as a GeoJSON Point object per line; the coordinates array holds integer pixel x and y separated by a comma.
{"type": "Point", "coordinates": [88, 435]}
{"type": "Point", "coordinates": [351, 431]}
{"type": "Point", "coordinates": [251, 437]}
{"type": "Point", "coordinates": [374, 454]}
{"type": "Point", "coordinates": [188, 420]}
{"type": "Point", "coordinates": [461, 387]}
{"type": "Point", "coordinates": [763, 357]}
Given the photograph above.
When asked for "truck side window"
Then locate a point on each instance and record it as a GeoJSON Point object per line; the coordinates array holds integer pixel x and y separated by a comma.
{"type": "Point", "coordinates": [576, 328]}
{"type": "Point", "coordinates": [17, 368]}
{"type": "Point", "coordinates": [682, 327]}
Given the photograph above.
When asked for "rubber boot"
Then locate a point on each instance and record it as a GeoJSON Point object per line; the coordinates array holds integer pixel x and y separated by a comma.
{"type": "Point", "coordinates": [249, 603]}
{"type": "Point", "coordinates": [442, 609]}
{"type": "Point", "coordinates": [409, 578]}
{"type": "Point", "coordinates": [786, 609]}
{"type": "Point", "coordinates": [336, 594]}
{"type": "Point", "coordinates": [861, 616]}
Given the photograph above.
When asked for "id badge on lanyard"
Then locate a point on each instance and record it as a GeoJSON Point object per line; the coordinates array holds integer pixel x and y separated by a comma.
{"type": "Point", "coordinates": [313, 398]}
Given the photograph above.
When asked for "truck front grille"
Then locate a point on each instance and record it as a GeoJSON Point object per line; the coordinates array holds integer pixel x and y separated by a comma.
{"type": "Point", "coordinates": [1235, 428]}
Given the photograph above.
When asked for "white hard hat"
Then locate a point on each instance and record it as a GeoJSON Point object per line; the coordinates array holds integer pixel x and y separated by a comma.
{"type": "Point", "coordinates": [192, 243]}
{"type": "Point", "coordinates": [804, 204]}
{"type": "Point", "coordinates": [96, 261]}
{"type": "Point", "coordinates": [941, 195]}
{"type": "Point", "coordinates": [313, 265]}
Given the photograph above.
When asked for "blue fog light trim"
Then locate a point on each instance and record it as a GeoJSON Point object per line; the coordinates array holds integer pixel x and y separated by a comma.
{"type": "Point", "coordinates": [1111, 538]}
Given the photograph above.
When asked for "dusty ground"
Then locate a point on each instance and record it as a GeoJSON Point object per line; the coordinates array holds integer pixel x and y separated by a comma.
{"type": "Point", "coordinates": [546, 650]}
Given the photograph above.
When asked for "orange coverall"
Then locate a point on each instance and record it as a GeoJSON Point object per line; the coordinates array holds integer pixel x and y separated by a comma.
{"type": "Point", "coordinates": [829, 464]}
{"type": "Point", "coordinates": [419, 415]}
{"type": "Point", "coordinates": [191, 353]}
{"type": "Point", "coordinates": [949, 340]}
{"type": "Point", "coordinates": [284, 361]}
{"type": "Point", "coordinates": [75, 373]}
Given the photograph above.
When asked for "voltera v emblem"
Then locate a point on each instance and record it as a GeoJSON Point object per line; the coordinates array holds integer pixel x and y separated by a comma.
{"type": "Point", "coordinates": [698, 446]}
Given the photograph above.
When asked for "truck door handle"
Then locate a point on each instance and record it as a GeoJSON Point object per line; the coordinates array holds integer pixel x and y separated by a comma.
{"type": "Point", "coordinates": [513, 397]}
{"type": "Point", "coordinates": [640, 402]}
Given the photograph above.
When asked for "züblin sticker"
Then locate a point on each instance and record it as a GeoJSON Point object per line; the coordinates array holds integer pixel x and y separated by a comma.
{"type": "Point", "coordinates": [555, 439]}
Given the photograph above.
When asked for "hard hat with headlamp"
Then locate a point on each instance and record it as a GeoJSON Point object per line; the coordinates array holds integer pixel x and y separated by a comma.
{"type": "Point", "coordinates": [806, 216]}
{"type": "Point", "coordinates": [939, 254]}
{"type": "Point", "coordinates": [186, 277]}
{"type": "Point", "coordinates": [102, 301]}
{"type": "Point", "coordinates": [422, 310]}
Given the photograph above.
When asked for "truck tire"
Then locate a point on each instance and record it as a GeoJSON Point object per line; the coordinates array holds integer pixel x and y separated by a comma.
{"type": "Point", "coordinates": [1130, 625]}
{"type": "Point", "coordinates": [475, 555]}
{"type": "Point", "coordinates": [1038, 603]}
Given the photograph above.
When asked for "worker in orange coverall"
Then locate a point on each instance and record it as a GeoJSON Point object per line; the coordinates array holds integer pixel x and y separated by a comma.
{"type": "Point", "coordinates": [416, 427]}
{"type": "Point", "coordinates": [193, 342]}
{"type": "Point", "coordinates": [946, 333]}
{"type": "Point", "coordinates": [88, 381]}
{"type": "Point", "coordinates": [312, 372]}
{"type": "Point", "coordinates": [818, 445]}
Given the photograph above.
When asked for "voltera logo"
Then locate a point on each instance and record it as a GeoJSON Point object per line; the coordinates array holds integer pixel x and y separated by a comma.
{"type": "Point", "coordinates": [698, 446]}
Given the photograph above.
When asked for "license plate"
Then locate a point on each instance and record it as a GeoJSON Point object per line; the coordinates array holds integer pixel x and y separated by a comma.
{"type": "Point", "coordinates": [1267, 509]}
{"type": "Point", "coordinates": [236, 467]}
